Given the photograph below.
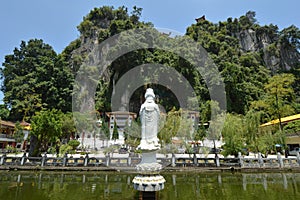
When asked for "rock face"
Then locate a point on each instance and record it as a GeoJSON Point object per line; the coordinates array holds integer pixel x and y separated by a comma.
{"type": "Point", "coordinates": [265, 41]}
{"type": "Point", "coordinates": [277, 56]}
{"type": "Point", "coordinates": [248, 40]}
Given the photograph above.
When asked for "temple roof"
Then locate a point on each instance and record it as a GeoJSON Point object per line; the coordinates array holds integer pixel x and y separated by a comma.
{"type": "Point", "coordinates": [283, 120]}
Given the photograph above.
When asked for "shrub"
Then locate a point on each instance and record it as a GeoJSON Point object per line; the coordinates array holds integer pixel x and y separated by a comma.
{"type": "Point", "coordinates": [65, 148]}
{"type": "Point", "coordinates": [74, 144]}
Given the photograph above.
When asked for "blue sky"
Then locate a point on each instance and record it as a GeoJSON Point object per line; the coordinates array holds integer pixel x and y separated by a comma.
{"type": "Point", "coordinates": [55, 21]}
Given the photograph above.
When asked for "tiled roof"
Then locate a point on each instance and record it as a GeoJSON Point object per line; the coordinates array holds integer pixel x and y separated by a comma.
{"type": "Point", "coordinates": [7, 123]}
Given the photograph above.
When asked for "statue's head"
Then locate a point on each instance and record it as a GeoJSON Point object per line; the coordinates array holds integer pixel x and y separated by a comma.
{"type": "Point", "coordinates": [149, 93]}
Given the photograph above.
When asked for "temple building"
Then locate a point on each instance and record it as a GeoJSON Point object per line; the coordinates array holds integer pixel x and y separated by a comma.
{"type": "Point", "coordinates": [292, 139]}
{"type": "Point", "coordinates": [7, 137]}
{"type": "Point", "coordinates": [7, 130]}
{"type": "Point", "coordinates": [119, 118]}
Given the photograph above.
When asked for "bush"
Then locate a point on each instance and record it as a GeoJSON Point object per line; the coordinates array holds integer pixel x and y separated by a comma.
{"type": "Point", "coordinates": [65, 148]}
{"type": "Point", "coordinates": [11, 149]}
{"type": "Point", "coordinates": [74, 144]}
{"type": "Point", "coordinates": [51, 150]}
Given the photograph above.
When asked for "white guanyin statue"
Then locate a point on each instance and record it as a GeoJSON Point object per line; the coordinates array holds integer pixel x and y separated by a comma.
{"type": "Point", "coordinates": [149, 179]}
{"type": "Point", "coordinates": [149, 115]}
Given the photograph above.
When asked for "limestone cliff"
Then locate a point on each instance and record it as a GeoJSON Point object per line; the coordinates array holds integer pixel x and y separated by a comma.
{"type": "Point", "coordinates": [277, 55]}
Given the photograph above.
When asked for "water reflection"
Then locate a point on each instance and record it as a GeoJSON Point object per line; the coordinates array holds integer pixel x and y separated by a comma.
{"type": "Point", "coordinates": [108, 185]}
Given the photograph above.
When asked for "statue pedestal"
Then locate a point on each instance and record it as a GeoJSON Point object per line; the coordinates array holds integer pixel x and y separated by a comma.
{"type": "Point", "coordinates": [148, 158]}
{"type": "Point", "coordinates": [149, 179]}
{"type": "Point", "coordinates": [149, 183]}
{"type": "Point", "coordinates": [149, 146]}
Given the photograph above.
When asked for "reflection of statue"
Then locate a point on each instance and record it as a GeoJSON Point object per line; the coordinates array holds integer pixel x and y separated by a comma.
{"type": "Point", "coordinates": [149, 114]}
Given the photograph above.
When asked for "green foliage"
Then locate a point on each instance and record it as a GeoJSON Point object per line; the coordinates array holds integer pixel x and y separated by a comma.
{"type": "Point", "coordinates": [185, 130]}
{"type": "Point", "coordinates": [233, 132]}
{"type": "Point", "coordinates": [10, 149]}
{"type": "Point", "coordinates": [244, 72]}
{"type": "Point", "coordinates": [188, 148]}
{"type": "Point", "coordinates": [292, 127]}
{"type": "Point", "coordinates": [268, 139]}
{"type": "Point", "coordinates": [291, 36]}
{"type": "Point", "coordinates": [83, 121]}
{"type": "Point", "coordinates": [132, 134]}
{"type": "Point", "coordinates": [278, 98]}
{"type": "Point", "coordinates": [169, 127]}
{"type": "Point", "coordinates": [215, 124]}
{"type": "Point", "coordinates": [74, 144]}
{"type": "Point", "coordinates": [51, 150]}
{"type": "Point", "coordinates": [68, 125]}
{"type": "Point", "coordinates": [252, 132]}
{"type": "Point", "coordinates": [37, 80]}
{"type": "Point", "coordinates": [176, 124]}
{"type": "Point", "coordinates": [19, 134]}
{"type": "Point", "coordinates": [244, 132]}
{"type": "Point", "coordinates": [34, 78]}
{"type": "Point", "coordinates": [65, 148]}
{"type": "Point", "coordinates": [4, 112]}
{"type": "Point", "coordinates": [105, 133]}
{"type": "Point", "coordinates": [110, 150]}
{"type": "Point", "coordinates": [115, 134]}
{"type": "Point", "coordinates": [280, 95]}
{"type": "Point", "coordinates": [47, 127]}
{"type": "Point", "coordinates": [107, 21]}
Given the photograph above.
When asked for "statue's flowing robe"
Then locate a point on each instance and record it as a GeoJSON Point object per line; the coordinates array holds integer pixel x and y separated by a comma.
{"type": "Point", "coordinates": [149, 115]}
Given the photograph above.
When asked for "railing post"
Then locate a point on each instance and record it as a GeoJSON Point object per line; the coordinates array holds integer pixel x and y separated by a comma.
{"type": "Point", "coordinates": [241, 159]}
{"type": "Point", "coordinates": [217, 159]}
{"type": "Point", "coordinates": [173, 160]}
{"type": "Point", "coordinates": [65, 159]}
{"type": "Point", "coordinates": [129, 161]}
{"type": "Point", "coordinates": [298, 158]}
{"type": "Point", "coordinates": [195, 161]}
{"type": "Point", "coordinates": [23, 159]}
{"type": "Point", "coordinates": [260, 160]}
{"type": "Point", "coordinates": [86, 159]}
{"type": "Point", "coordinates": [280, 161]}
{"type": "Point", "coordinates": [107, 160]}
{"type": "Point", "coordinates": [44, 159]}
{"type": "Point", "coordinates": [2, 161]}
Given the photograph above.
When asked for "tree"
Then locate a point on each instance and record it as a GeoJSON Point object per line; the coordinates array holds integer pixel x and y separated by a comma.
{"type": "Point", "coordinates": [115, 134]}
{"type": "Point", "coordinates": [278, 98]}
{"type": "Point", "coordinates": [291, 36]}
{"type": "Point", "coordinates": [74, 144]}
{"type": "Point", "coordinates": [4, 112]}
{"type": "Point", "coordinates": [46, 127]}
{"type": "Point", "coordinates": [233, 135]}
{"type": "Point", "coordinates": [281, 95]}
{"type": "Point", "coordinates": [132, 134]}
{"type": "Point", "coordinates": [186, 129]}
{"type": "Point", "coordinates": [105, 133]}
{"type": "Point", "coordinates": [292, 127]}
{"type": "Point", "coordinates": [33, 79]}
{"type": "Point", "coordinates": [68, 126]}
{"type": "Point", "coordinates": [19, 134]}
{"type": "Point", "coordinates": [251, 16]}
{"type": "Point", "coordinates": [84, 122]}
{"type": "Point", "coordinates": [252, 132]}
{"type": "Point", "coordinates": [169, 128]}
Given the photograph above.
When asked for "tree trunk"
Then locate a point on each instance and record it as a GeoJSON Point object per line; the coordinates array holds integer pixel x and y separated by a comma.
{"type": "Point", "coordinates": [34, 150]}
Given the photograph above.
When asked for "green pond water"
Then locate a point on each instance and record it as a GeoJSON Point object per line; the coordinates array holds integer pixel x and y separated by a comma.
{"type": "Point", "coordinates": [112, 185]}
